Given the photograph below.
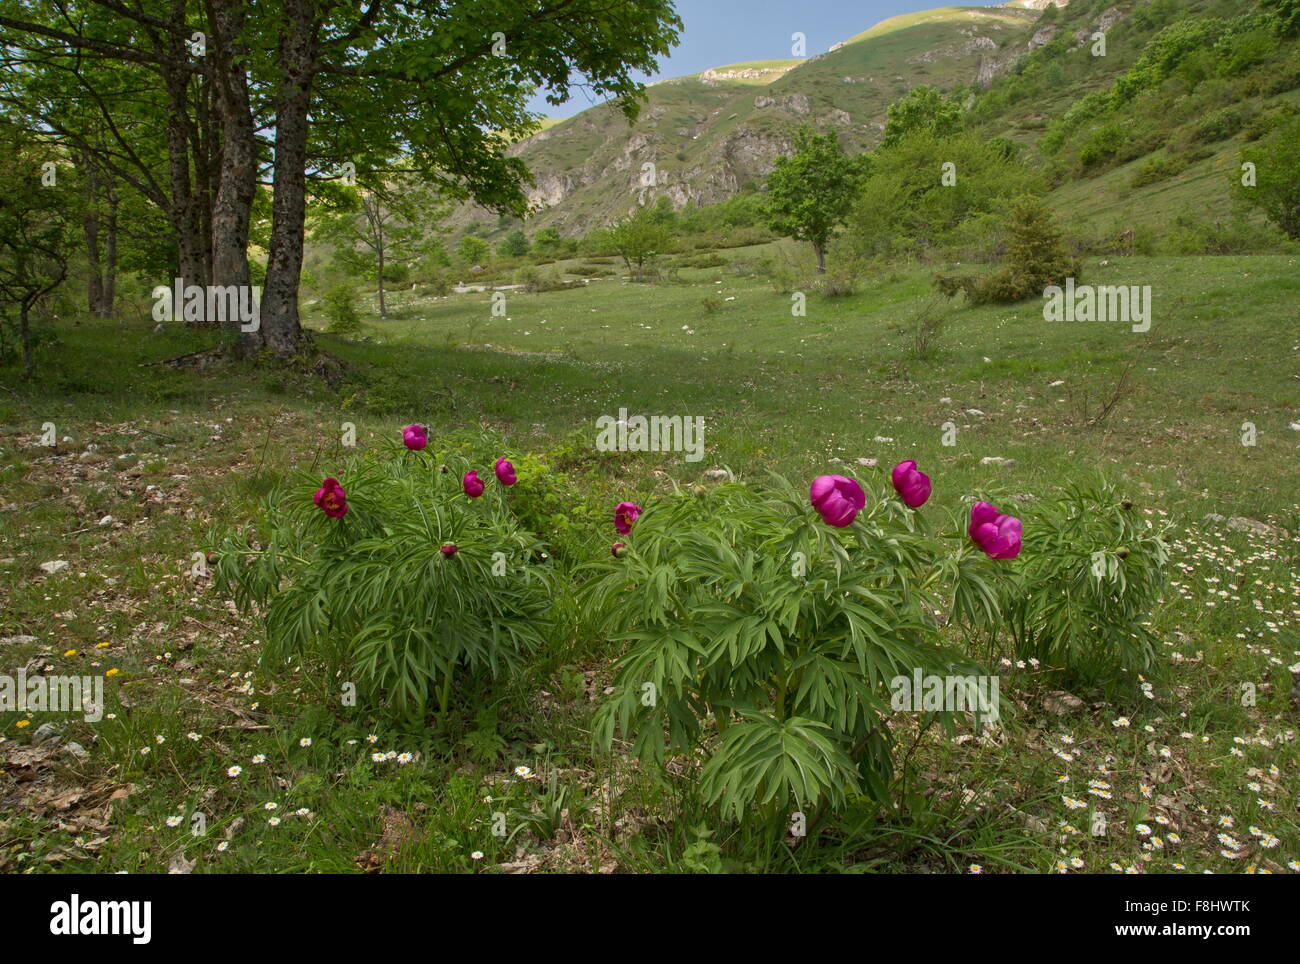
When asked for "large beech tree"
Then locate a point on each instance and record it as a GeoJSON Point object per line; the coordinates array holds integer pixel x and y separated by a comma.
{"type": "Point", "coordinates": [326, 83]}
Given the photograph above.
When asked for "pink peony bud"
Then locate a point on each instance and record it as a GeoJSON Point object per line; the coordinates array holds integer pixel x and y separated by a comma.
{"type": "Point", "coordinates": [837, 499]}
{"type": "Point", "coordinates": [472, 485]}
{"type": "Point", "coordinates": [415, 437]}
{"type": "Point", "coordinates": [505, 472]}
{"type": "Point", "coordinates": [619, 550]}
{"type": "Point", "coordinates": [912, 486]}
{"type": "Point", "coordinates": [448, 550]}
{"type": "Point", "coordinates": [996, 534]}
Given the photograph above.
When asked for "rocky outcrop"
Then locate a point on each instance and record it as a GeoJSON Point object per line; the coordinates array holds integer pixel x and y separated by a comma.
{"type": "Point", "coordinates": [795, 103]}
{"type": "Point", "coordinates": [720, 74]}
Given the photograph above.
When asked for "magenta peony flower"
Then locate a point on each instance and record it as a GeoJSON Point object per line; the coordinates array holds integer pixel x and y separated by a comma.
{"type": "Point", "coordinates": [911, 484]}
{"type": "Point", "coordinates": [331, 499]}
{"type": "Point", "coordinates": [618, 550]}
{"type": "Point", "coordinates": [996, 534]}
{"type": "Point", "coordinates": [505, 472]}
{"type": "Point", "coordinates": [415, 437]}
{"type": "Point", "coordinates": [837, 499]}
{"type": "Point", "coordinates": [448, 550]}
{"type": "Point", "coordinates": [472, 485]}
{"type": "Point", "coordinates": [624, 515]}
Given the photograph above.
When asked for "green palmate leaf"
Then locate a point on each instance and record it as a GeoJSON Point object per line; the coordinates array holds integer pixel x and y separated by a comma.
{"type": "Point", "coordinates": [763, 761]}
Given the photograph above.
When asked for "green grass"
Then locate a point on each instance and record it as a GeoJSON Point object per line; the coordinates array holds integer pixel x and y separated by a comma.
{"type": "Point", "coordinates": [802, 395]}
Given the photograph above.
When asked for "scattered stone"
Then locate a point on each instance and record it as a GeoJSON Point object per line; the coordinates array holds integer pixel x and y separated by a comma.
{"type": "Point", "coordinates": [106, 521]}
{"type": "Point", "coordinates": [882, 440]}
{"type": "Point", "coordinates": [996, 460]}
{"type": "Point", "coordinates": [973, 411]}
{"type": "Point", "coordinates": [77, 750]}
{"type": "Point", "coordinates": [1214, 517]}
{"type": "Point", "coordinates": [869, 463]}
{"type": "Point", "coordinates": [46, 731]}
{"type": "Point", "coordinates": [18, 640]}
{"type": "Point", "coordinates": [717, 475]}
{"type": "Point", "coordinates": [53, 566]}
{"type": "Point", "coordinates": [1062, 703]}
{"type": "Point", "coordinates": [1295, 426]}
{"type": "Point", "coordinates": [1057, 383]}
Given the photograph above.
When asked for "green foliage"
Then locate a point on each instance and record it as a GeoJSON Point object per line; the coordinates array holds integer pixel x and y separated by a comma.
{"type": "Point", "coordinates": [1082, 597]}
{"type": "Point", "coordinates": [810, 192]}
{"type": "Point", "coordinates": [1284, 16]}
{"type": "Point", "coordinates": [472, 250]}
{"type": "Point", "coordinates": [341, 309]}
{"type": "Point", "coordinates": [1035, 258]}
{"type": "Point", "coordinates": [513, 245]}
{"type": "Point", "coordinates": [36, 232]}
{"type": "Point", "coordinates": [640, 239]}
{"type": "Point", "coordinates": [743, 612]}
{"type": "Point", "coordinates": [1276, 191]}
{"type": "Point", "coordinates": [371, 596]}
{"type": "Point", "coordinates": [905, 206]}
{"type": "Point", "coordinates": [923, 110]}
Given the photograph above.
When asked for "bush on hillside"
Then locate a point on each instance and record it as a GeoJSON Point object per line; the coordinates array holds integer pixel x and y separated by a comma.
{"type": "Point", "coordinates": [1036, 257]}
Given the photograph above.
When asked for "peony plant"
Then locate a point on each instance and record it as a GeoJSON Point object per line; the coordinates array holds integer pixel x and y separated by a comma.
{"type": "Point", "coordinates": [763, 627]}
{"type": "Point", "coordinates": [398, 575]}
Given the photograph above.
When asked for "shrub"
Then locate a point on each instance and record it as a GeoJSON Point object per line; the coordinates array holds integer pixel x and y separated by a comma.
{"type": "Point", "coordinates": [1087, 591]}
{"type": "Point", "coordinates": [372, 595]}
{"type": "Point", "coordinates": [763, 640]}
{"type": "Point", "coordinates": [1219, 126]}
{"type": "Point", "coordinates": [1036, 258]}
{"type": "Point", "coordinates": [340, 308]}
{"type": "Point", "coordinates": [1156, 169]}
{"type": "Point", "coordinates": [1277, 189]}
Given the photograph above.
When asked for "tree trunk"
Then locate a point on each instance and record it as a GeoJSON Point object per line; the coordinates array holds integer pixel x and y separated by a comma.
{"type": "Point", "coordinates": [299, 45]}
{"type": "Point", "coordinates": [26, 336]}
{"type": "Point", "coordinates": [183, 211]}
{"type": "Point", "coordinates": [820, 250]}
{"type": "Point", "coordinates": [237, 163]}
{"type": "Point", "coordinates": [108, 291]}
{"type": "Point", "coordinates": [382, 312]}
{"type": "Point", "coordinates": [90, 228]}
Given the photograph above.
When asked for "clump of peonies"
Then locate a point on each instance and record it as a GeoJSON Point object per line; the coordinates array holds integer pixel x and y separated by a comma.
{"type": "Point", "coordinates": [624, 515]}
{"type": "Point", "coordinates": [331, 499]}
{"type": "Point", "coordinates": [472, 485]}
{"type": "Point", "coordinates": [996, 534]}
{"type": "Point", "coordinates": [911, 484]}
{"type": "Point", "coordinates": [505, 472]}
{"type": "Point", "coordinates": [415, 437]}
{"type": "Point", "coordinates": [837, 499]}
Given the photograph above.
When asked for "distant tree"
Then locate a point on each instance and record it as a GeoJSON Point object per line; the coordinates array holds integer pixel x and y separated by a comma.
{"type": "Point", "coordinates": [1284, 14]}
{"type": "Point", "coordinates": [382, 226]}
{"type": "Point", "coordinates": [472, 250]}
{"type": "Point", "coordinates": [663, 211]}
{"type": "Point", "coordinates": [37, 221]}
{"type": "Point", "coordinates": [639, 239]}
{"type": "Point", "coordinates": [921, 109]}
{"type": "Point", "coordinates": [1036, 257]}
{"type": "Point", "coordinates": [810, 193]}
{"type": "Point", "coordinates": [1276, 190]}
{"type": "Point", "coordinates": [927, 192]}
{"type": "Point", "coordinates": [547, 241]}
{"type": "Point", "coordinates": [513, 245]}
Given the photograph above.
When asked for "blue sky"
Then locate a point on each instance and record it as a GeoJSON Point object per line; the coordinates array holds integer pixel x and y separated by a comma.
{"type": "Point", "coordinates": [718, 32]}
